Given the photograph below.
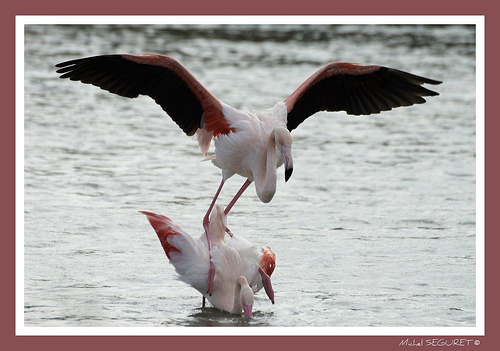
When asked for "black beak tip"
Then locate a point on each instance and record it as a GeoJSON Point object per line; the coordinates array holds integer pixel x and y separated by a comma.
{"type": "Point", "coordinates": [288, 174]}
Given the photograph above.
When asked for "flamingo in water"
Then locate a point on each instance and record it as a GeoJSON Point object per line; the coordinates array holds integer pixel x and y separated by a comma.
{"type": "Point", "coordinates": [240, 269]}
{"type": "Point", "coordinates": [250, 144]}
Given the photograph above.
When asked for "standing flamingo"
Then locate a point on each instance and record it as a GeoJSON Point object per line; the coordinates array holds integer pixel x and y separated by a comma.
{"type": "Point", "coordinates": [250, 144]}
{"type": "Point", "coordinates": [240, 269]}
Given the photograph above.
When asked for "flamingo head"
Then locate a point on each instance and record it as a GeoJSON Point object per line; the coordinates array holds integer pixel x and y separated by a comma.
{"type": "Point", "coordinates": [246, 296]}
{"type": "Point", "coordinates": [284, 144]}
{"type": "Point", "coordinates": [268, 260]}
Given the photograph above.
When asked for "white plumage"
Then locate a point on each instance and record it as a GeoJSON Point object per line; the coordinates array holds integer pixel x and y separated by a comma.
{"type": "Point", "coordinates": [240, 268]}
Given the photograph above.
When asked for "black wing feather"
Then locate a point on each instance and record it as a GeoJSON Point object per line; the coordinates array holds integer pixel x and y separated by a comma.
{"type": "Point", "coordinates": [130, 79]}
{"type": "Point", "coordinates": [361, 94]}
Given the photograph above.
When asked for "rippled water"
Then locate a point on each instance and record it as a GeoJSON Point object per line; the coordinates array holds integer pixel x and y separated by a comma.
{"type": "Point", "coordinates": [376, 227]}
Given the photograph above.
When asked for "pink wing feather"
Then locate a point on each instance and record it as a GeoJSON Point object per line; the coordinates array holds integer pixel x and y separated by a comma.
{"type": "Point", "coordinates": [164, 228]}
{"type": "Point", "coordinates": [189, 256]}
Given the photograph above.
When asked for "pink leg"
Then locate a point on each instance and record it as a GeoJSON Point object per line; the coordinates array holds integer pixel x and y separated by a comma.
{"type": "Point", "coordinates": [211, 271]}
{"type": "Point", "coordinates": [233, 201]}
{"type": "Point", "coordinates": [207, 215]}
{"type": "Point", "coordinates": [237, 196]}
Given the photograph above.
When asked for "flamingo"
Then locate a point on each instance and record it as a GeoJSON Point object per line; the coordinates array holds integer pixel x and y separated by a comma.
{"type": "Point", "coordinates": [241, 269]}
{"type": "Point", "coordinates": [251, 144]}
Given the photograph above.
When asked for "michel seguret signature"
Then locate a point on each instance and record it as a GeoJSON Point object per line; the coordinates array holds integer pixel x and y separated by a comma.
{"type": "Point", "coordinates": [437, 342]}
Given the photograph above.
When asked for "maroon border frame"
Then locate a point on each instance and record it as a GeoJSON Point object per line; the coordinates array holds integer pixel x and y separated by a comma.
{"type": "Point", "coordinates": [227, 7]}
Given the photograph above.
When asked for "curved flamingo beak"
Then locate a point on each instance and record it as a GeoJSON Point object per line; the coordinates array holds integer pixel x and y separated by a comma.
{"type": "Point", "coordinates": [288, 174]}
{"type": "Point", "coordinates": [286, 152]}
{"type": "Point", "coordinates": [247, 310]}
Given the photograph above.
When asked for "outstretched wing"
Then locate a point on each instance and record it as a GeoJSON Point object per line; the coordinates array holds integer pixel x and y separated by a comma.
{"type": "Point", "coordinates": [162, 78]}
{"type": "Point", "coordinates": [356, 89]}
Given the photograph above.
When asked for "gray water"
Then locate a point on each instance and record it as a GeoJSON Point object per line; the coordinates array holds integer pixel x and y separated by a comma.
{"type": "Point", "coordinates": [376, 227]}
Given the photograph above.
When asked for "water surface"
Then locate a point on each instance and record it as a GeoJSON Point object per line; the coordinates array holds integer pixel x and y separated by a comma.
{"type": "Point", "coordinates": [376, 227]}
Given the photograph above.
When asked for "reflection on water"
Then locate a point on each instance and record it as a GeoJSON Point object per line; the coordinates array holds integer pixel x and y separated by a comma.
{"type": "Point", "coordinates": [375, 228]}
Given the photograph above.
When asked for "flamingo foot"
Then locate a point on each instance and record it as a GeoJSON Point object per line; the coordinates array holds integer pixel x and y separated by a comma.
{"type": "Point", "coordinates": [203, 301]}
{"type": "Point", "coordinates": [266, 282]}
